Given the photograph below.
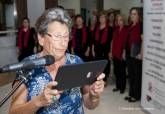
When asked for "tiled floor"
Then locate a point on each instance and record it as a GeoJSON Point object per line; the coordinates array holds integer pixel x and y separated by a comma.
{"type": "Point", "coordinates": [3, 92]}
{"type": "Point", "coordinates": [111, 103]}
{"type": "Point", "coordinates": [6, 78]}
{"type": "Point", "coordinates": [114, 103]}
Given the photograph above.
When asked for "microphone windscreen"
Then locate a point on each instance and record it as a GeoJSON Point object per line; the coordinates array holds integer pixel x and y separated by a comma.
{"type": "Point", "coordinates": [49, 59]}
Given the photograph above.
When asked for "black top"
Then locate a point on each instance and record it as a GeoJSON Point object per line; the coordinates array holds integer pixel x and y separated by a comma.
{"type": "Point", "coordinates": [109, 39]}
{"type": "Point", "coordinates": [91, 36]}
{"type": "Point", "coordinates": [27, 51]}
{"type": "Point", "coordinates": [79, 39]}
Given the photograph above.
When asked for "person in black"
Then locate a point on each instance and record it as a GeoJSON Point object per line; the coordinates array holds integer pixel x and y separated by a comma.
{"type": "Point", "coordinates": [93, 22]}
{"type": "Point", "coordinates": [79, 38]}
{"type": "Point", "coordinates": [103, 37]}
{"type": "Point", "coordinates": [25, 39]}
{"type": "Point", "coordinates": [111, 19]}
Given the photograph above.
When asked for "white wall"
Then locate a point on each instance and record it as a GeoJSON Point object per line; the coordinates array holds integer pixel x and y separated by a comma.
{"type": "Point", "coordinates": [89, 5]}
{"type": "Point", "coordinates": [9, 10]}
{"type": "Point", "coordinates": [70, 4]}
{"type": "Point", "coordinates": [35, 9]}
{"type": "Point", "coordinates": [123, 5]}
{"type": "Point", "coordinates": [92, 5]}
{"type": "Point", "coordinates": [8, 50]}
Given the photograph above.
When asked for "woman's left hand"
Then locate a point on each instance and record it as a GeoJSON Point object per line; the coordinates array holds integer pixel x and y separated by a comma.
{"type": "Point", "coordinates": [139, 56]}
{"type": "Point", "coordinates": [97, 87]}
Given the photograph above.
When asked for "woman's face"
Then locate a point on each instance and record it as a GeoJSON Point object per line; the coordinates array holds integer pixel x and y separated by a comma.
{"type": "Point", "coordinates": [56, 41]}
{"type": "Point", "coordinates": [120, 21]}
{"type": "Point", "coordinates": [102, 19]}
{"type": "Point", "coordinates": [25, 23]}
{"type": "Point", "coordinates": [94, 19]}
{"type": "Point", "coordinates": [79, 21]}
{"type": "Point", "coordinates": [111, 17]}
{"type": "Point", "coordinates": [134, 16]}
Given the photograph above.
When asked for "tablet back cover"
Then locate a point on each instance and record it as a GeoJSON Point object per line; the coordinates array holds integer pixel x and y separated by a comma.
{"type": "Point", "coordinates": [78, 75]}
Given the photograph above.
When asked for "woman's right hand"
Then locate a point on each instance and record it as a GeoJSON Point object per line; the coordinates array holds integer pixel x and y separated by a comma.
{"type": "Point", "coordinates": [18, 51]}
{"type": "Point", "coordinates": [49, 95]}
{"type": "Point", "coordinates": [72, 51]}
{"type": "Point", "coordinates": [110, 55]}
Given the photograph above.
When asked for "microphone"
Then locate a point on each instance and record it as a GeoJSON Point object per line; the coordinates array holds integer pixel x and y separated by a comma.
{"type": "Point", "coordinates": [29, 64]}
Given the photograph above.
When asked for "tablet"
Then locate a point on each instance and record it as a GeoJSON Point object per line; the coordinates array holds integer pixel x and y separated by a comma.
{"type": "Point", "coordinates": [78, 75]}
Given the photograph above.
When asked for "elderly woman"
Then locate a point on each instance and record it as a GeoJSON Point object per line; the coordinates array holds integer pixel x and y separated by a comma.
{"type": "Point", "coordinates": [37, 95]}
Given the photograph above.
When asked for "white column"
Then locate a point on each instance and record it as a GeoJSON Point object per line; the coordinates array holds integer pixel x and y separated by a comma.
{"type": "Point", "coordinates": [35, 8]}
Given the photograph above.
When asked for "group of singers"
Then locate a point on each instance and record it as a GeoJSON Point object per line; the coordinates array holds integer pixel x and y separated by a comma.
{"type": "Point", "coordinates": [108, 37]}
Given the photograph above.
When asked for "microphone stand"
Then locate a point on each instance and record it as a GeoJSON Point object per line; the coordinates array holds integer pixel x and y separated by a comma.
{"type": "Point", "coordinates": [23, 76]}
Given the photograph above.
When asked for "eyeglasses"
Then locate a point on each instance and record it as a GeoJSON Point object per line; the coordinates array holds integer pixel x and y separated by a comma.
{"type": "Point", "coordinates": [58, 37]}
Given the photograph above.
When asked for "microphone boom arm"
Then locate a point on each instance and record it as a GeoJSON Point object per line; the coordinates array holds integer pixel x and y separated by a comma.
{"type": "Point", "coordinates": [25, 68]}
{"type": "Point", "coordinates": [23, 79]}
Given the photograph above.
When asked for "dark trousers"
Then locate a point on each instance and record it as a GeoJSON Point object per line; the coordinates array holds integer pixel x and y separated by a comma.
{"type": "Point", "coordinates": [108, 66]}
{"type": "Point", "coordinates": [100, 54]}
{"type": "Point", "coordinates": [120, 73]}
{"type": "Point", "coordinates": [107, 70]}
{"type": "Point", "coordinates": [135, 77]}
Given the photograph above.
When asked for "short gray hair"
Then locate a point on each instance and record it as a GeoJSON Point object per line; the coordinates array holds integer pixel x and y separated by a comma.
{"type": "Point", "coordinates": [49, 16]}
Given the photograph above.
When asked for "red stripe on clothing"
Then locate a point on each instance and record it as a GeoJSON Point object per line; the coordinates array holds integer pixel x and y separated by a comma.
{"type": "Point", "coordinates": [20, 38]}
{"type": "Point", "coordinates": [134, 35]}
{"type": "Point", "coordinates": [119, 41]}
{"type": "Point", "coordinates": [104, 36]}
{"type": "Point", "coordinates": [84, 36]}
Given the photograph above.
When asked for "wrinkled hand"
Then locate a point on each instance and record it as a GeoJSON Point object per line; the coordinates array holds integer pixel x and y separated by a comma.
{"type": "Point", "coordinates": [97, 87]}
{"type": "Point", "coordinates": [45, 98]}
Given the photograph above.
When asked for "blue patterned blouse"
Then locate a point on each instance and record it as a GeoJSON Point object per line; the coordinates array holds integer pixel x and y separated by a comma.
{"type": "Point", "coordinates": [70, 101]}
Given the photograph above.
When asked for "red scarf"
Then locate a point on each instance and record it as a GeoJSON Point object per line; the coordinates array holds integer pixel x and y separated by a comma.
{"type": "Point", "coordinates": [134, 34]}
{"type": "Point", "coordinates": [104, 36]}
{"type": "Point", "coordinates": [84, 36]}
{"type": "Point", "coordinates": [25, 38]}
